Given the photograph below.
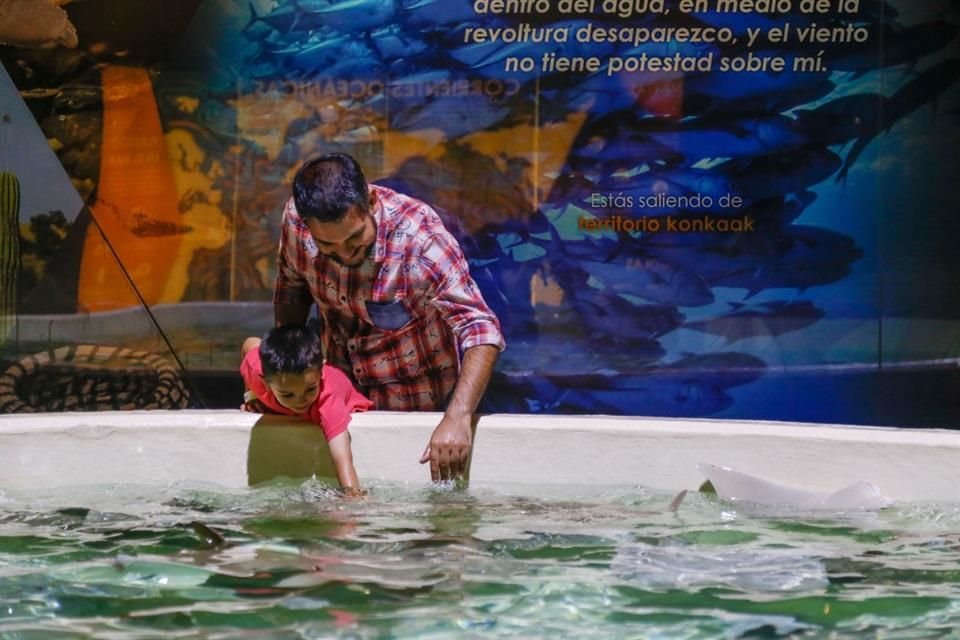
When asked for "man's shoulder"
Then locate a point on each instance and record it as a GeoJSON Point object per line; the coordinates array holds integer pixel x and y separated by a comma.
{"type": "Point", "coordinates": [289, 216]}
{"type": "Point", "coordinates": [400, 208]}
{"type": "Point", "coordinates": [393, 197]}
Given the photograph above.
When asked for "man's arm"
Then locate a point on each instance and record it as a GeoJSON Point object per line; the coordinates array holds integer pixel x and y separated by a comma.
{"type": "Point", "coordinates": [451, 443]}
{"type": "Point", "coordinates": [291, 297]}
{"type": "Point", "coordinates": [478, 363]}
{"type": "Point", "coordinates": [455, 294]}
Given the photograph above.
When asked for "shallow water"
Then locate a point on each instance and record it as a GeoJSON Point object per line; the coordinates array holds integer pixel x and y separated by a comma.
{"type": "Point", "coordinates": [297, 561]}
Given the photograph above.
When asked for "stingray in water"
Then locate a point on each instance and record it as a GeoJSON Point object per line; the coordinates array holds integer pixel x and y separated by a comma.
{"type": "Point", "coordinates": [741, 487]}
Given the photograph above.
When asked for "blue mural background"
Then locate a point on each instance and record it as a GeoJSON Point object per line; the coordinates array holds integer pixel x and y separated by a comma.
{"type": "Point", "coordinates": [838, 306]}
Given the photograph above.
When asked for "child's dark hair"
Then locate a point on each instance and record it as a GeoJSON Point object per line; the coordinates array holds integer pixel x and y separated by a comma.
{"type": "Point", "coordinates": [290, 348]}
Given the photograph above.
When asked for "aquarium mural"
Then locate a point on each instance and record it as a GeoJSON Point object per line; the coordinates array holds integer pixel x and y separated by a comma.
{"type": "Point", "coordinates": [690, 208]}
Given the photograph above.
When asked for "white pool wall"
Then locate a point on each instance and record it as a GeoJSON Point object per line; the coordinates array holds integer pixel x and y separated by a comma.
{"type": "Point", "coordinates": [235, 449]}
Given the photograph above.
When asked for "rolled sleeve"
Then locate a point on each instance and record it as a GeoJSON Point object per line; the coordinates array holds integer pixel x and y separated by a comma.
{"type": "Point", "coordinates": [481, 333]}
{"type": "Point", "coordinates": [454, 292]}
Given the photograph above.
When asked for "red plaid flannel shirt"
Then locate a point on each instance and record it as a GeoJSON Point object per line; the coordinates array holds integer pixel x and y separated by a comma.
{"type": "Point", "coordinates": [416, 264]}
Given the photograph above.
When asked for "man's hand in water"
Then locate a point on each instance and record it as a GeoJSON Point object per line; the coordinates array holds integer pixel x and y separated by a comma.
{"type": "Point", "coordinates": [449, 449]}
{"type": "Point", "coordinates": [452, 441]}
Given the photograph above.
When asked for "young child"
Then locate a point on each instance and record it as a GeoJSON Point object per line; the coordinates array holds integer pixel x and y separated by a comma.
{"type": "Point", "coordinates": [285, 373]}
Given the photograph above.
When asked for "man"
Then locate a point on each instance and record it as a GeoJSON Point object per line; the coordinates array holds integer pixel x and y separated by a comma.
{"type": "Point", "coordinates": [400, 312]}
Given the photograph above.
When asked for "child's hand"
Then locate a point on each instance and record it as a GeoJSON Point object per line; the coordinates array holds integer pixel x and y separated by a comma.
{"type": "Point", "coordinates": [255, 406]}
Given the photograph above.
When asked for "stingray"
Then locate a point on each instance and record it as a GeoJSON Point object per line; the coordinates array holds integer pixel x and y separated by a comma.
{"type": "Point", "coordinates": [740, 487]}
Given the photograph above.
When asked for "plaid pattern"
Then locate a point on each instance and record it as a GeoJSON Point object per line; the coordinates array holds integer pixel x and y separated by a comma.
{"type": "Point", "coordinates": [415, 263]}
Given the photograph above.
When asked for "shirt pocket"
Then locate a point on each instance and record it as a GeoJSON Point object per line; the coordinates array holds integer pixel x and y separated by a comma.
{"type": "Point", "coordinates": [389, 356]}
{"type": "Point", "coordinates": [388, 316]}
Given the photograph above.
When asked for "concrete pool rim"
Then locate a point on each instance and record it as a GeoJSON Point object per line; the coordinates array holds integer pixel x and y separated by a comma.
{"type": "Point", "coordinates": [235, 449]}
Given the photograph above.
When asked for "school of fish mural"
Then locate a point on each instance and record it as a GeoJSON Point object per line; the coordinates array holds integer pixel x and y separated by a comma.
{"type": "Point", "coordinates": [704, 235]}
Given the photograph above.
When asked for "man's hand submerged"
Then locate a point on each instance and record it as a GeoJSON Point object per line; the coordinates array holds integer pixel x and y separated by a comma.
{"type": "Point", "coordinates": [448, 451]}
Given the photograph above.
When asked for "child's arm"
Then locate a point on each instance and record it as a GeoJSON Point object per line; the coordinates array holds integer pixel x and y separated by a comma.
{"type": "Point", "coordinates": [342, 456]}
{"type": "Point", "coordinates": [251, 403]}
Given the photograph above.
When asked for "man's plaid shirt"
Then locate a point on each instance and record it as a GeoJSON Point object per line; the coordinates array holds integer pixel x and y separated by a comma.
{"type": "Point", "coordinates": [415, 264]}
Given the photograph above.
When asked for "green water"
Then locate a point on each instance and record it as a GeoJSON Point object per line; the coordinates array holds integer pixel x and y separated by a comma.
{"type": "Point", "coordinates": [295, 561]}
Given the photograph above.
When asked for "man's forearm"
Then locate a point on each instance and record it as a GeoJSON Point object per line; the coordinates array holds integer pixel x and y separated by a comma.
{"type": "Point", "coordinates": [475, 372]}
{"type": "Point", "coordinates": [290, 313]}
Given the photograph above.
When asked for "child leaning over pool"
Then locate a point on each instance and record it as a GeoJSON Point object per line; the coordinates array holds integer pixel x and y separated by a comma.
{"type": "Point", "coordinates": [285, 372]}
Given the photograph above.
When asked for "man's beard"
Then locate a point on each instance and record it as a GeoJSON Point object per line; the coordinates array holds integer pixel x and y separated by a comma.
{"type": "Point", "coordinates": [361, 258]}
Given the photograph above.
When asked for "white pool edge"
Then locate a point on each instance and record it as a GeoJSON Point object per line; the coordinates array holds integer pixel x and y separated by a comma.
{"type": "Point", "coordinates": [235, 449]}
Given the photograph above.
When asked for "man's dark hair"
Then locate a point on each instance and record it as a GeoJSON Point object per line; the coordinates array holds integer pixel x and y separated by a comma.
{"type": "Point", "coordinates": [325, 187]}
{"type": "Point", "coordinates": [290, 348]}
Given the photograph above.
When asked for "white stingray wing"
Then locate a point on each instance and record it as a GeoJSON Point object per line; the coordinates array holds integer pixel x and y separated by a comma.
{"type": "Point", "coordinates": [734, 485]}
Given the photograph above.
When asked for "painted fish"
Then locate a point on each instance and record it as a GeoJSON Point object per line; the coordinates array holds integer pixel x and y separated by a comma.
{"type": "Point", "coordinates": [767, 90]}
{"type": "Point", "coordinates": [618, 154]}
{"type": "Point", "coordinates": [923, 89]}
{"type": "Point", "coordinates": [650, 278]}
{"type": "Point", "coordinates": [599, 93]}
{"type": "Point", "coordinates": [393, 42]}
{"type": "Point", "coordinates": [775, 175]}
{"type": "Point", "coordinates": [805, 257]}
{"type": "Point", "coordinates": [729, 137]}
{"type": "Point", "coordinates": [842, 119]}
{"type": "Point", "coordinates": [616, 319]}
{"type": "Point", "coordinates": [349, 16]}
{"type": "Point", "coordinates": [722, 257]}
{"type": "Point", "coordinates": [308, 57]}
{"type": "Point", "coordinates": [767, 319]}
{"type": "Point", "coordinates": [617, 141]}
{"type": "Point", "coordinates": [355, 61]}
{"type": "Point", "coordinates": [283, 19]}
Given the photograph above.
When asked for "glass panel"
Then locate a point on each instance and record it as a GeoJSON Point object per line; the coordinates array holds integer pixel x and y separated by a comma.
{"type": "Point", "coordinates": [753, 225]}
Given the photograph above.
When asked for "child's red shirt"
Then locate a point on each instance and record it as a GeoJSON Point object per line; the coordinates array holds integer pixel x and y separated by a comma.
{"type": "Point", "coordinates": [333, 406]}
